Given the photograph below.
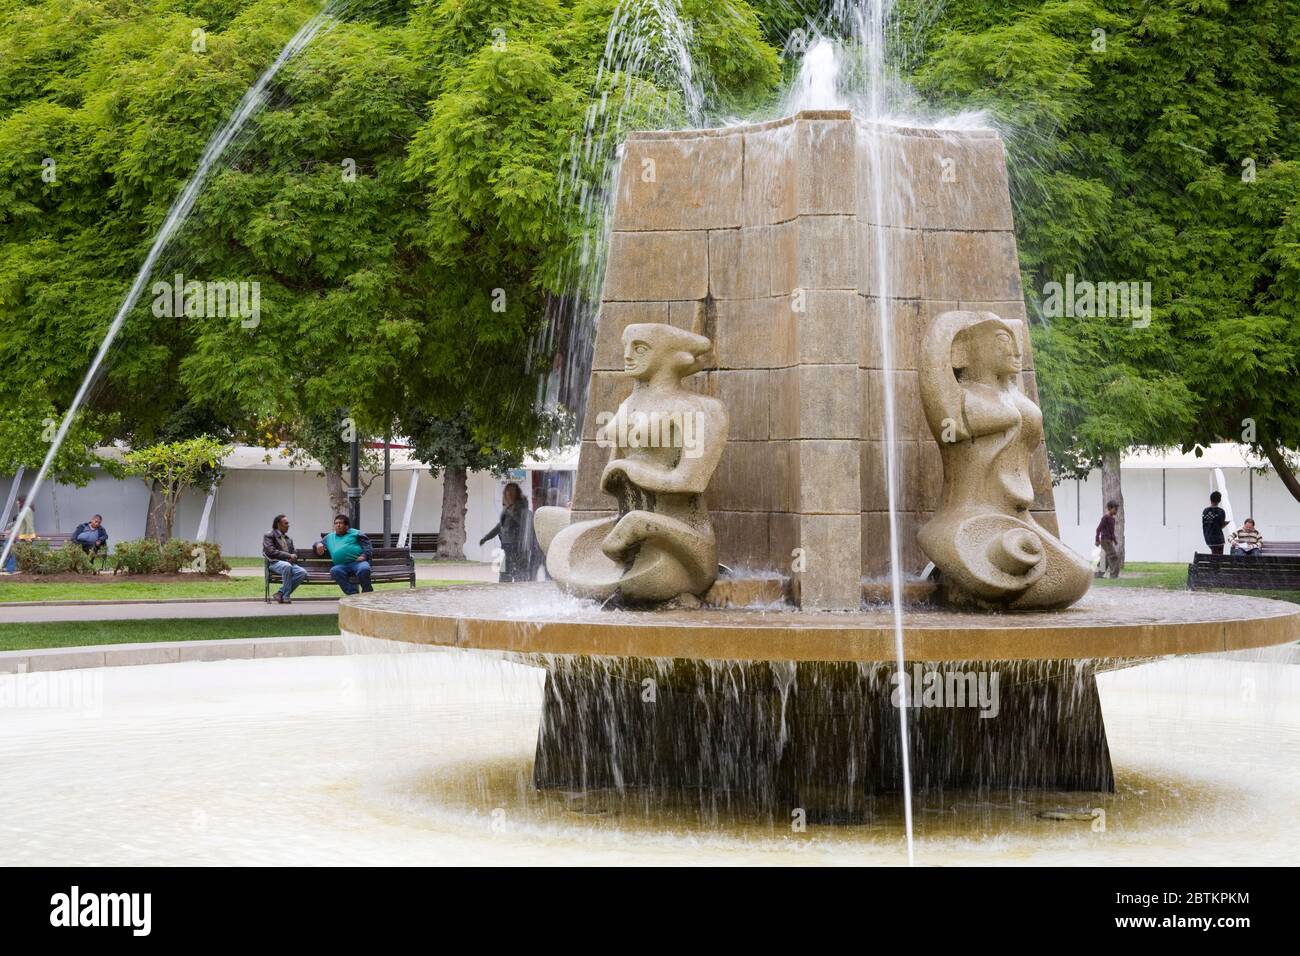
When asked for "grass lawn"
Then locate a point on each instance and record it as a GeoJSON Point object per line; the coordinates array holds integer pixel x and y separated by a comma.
{"type": "Point", "coordinates": [18, 637]}
{"type": "Point", "coordinates": [123, 588]}
{"type": "Point", "coordinates": [1150, 574]}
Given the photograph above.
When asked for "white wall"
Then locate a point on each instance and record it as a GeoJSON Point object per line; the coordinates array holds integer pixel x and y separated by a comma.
{"type": "Point", "coordinates": [1168, 527]}
{"type": "Point", "coordinates": [247, 500]}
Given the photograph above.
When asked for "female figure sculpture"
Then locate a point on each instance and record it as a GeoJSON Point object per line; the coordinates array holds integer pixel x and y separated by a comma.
{"type": "Point", "coordinates": [665, 442]}
{"type": "Point", "coordinates": [985, 542]}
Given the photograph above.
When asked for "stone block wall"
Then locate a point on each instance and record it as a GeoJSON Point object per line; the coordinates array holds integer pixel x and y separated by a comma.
{"type": "Point", "coordinates": [764, 238]}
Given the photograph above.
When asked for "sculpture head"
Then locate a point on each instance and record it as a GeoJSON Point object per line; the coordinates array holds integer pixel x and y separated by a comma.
{"type": "Point", "coordinates": [987, 350]}
{"type": "Point", "coordinates": [652, 350]}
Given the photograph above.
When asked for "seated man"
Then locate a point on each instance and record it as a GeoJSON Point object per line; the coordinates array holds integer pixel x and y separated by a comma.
{"type": "Point", "coordinates": [350, 551]}
{"type": "Point", "coordinates": [91, 535]}
{"type": "Point", "coordinates": [1246, 540]}
{"type": "Point", "coordinates": [277, 548]}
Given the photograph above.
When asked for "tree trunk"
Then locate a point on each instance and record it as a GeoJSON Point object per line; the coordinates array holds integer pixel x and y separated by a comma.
{"type": "Point", "coordinates": [155, 519]}
{"type": "Point", "coordinates": [1112, 490]}
{"type": "Point", "coordinates": [170, 507]}
{"type": "Point", "coordinates": [1283, 469]}
{"type": "Point", "coordinates": [451, 526]}
{"type": "Point", "coordinates": [334, 487]}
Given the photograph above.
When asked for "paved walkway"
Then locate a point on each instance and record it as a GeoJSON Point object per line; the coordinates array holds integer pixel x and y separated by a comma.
{"type": "Point", "coordinates": [165, 652]}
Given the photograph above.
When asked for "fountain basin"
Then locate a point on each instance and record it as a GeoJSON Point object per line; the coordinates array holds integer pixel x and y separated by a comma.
{"type": "Point", "coordinates": [775, 710]}
{"type": "Point", "coordinates": [1110, 624]}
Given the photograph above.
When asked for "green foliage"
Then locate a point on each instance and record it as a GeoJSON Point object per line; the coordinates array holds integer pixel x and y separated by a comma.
{"type": "Point", "coordinates": [37, 557]}
{"type": "Point", "coordinates": [177, 464]}
{"type": "Point", "coordinates": [146, 556]}
{"type": "Point", "coordinates": [171, 468]}
{"type": "Point", "coordinates": [1130, 158]}
{"type": "Point", "coordinates": [138, 556]}
{"type": "Point", "coordinates": [203, 557]}
{"type": "Point", "coordinates": [419, 282]}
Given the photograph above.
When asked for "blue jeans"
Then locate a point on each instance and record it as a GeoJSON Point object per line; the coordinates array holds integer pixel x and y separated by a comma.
{"type": "Point", "coordinates": [291, 574]}
{"type": "Point", "coordinates": [359, 569]}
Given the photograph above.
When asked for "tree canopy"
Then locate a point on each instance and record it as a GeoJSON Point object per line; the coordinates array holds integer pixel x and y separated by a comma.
{"type": "Point", "coordinates": [1148, 142]}
{"type": "Point", "coordinates": [412, 200]}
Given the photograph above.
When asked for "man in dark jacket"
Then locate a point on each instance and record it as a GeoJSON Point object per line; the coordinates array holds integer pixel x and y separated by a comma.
{"type": "Point", "coordinates": [277, 548]}
{"type": "Point", "coordinates": [91, 535]}
{"type": "Point", "coordinates": [1213, 520]}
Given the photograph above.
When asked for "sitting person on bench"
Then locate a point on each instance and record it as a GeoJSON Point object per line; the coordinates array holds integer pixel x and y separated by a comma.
{"type": "Point", "coordinates": [1246, 540]}
{"type": "Point", "coordinates": [91, 535]}
{"type": "Point", "coordinates": [350, 551]}
{"type": "Point", "coordinates": [25, 529]}
{"type": "Point", "coordinates": [281, 558]}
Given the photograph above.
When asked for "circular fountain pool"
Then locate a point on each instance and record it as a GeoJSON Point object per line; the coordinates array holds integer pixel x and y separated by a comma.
{"type": "Point", "coordinates": [426, 758]}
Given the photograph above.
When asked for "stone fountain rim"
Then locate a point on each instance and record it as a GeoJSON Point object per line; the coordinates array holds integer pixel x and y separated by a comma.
{"type": "Point", "coordinates": [788, 635]}
{"type": "Point", "coordinates": [926, 132]}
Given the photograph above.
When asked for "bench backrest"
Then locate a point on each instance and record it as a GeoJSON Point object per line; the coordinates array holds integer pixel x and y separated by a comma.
{"type": "Point", "coordinates": [1246, 563]}
{"type": "Point", "coordinates": [53, 540]}
{"type": "Point", "coordinates": [1280, 547]}
{"type": "Point", "coordinates": [380, 557]}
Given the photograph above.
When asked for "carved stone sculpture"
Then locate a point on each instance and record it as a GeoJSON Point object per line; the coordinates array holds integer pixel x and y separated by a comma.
{"type": "Point", "coordinates": [983, 539]}
{"type": "Point", "coordinates": [665, 442]}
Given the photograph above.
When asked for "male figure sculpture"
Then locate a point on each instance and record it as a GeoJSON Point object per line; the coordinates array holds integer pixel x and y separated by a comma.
{"type": "Point", "coordinates": [665, 442]}
{"type": "Point", "coordinates": [988, 548]}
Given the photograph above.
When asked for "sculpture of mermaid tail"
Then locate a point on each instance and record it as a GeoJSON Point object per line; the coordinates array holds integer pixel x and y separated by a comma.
{"type": "Point", "coordinates": [642, 558]}
{"type": "Point", "coordinates": [1004, 562]}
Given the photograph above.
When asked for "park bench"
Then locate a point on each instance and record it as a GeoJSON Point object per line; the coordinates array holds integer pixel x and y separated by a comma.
{"type": "Point", "coordinates": [419, 542]}
{"type": "Point", "coordinates": [57, 541]}
{"type": "Point", "coordinates": [386, 564]}
{"type": "Point", "coordinates": [1268, 570]}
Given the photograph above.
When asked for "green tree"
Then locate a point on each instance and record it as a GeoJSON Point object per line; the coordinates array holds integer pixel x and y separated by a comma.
{"type": "Point", "coordinates": [395, 203]}
{"type": "Point", "coordinates": [1149, 142]}
{"type": "Point", "coordinates": [174, 468]}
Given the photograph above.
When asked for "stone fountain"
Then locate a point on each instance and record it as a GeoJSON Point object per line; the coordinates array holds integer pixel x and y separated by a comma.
{"type": "Point", "coordinates": [711, 628]}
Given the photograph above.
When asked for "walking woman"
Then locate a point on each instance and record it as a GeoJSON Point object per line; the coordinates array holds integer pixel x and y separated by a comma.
{"type": "Point", "coordinates": [515, 531]}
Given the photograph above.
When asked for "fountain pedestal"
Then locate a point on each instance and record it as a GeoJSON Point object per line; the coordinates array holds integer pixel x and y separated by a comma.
{"type": "Point", "coordinates": [818, 736]}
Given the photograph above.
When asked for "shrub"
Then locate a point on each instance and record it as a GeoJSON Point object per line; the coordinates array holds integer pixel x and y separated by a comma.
{"type": "Point", "coordinates": [141, 556]}
{"type": "Point", "coordinates": [146, 556]}
{"type": "Point", "coordinates": [36, 557]}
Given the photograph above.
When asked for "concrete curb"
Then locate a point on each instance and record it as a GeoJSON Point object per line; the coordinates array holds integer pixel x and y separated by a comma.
{"type": "Point", "coordinates": [166, 652]}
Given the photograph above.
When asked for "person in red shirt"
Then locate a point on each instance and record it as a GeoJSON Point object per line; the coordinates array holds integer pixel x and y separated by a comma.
{"type": "Point", "coordinates": [1106, 538]}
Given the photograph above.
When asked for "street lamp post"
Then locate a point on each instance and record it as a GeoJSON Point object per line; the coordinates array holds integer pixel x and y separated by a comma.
{"type": "Point", "coordinates": [354, 487]}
